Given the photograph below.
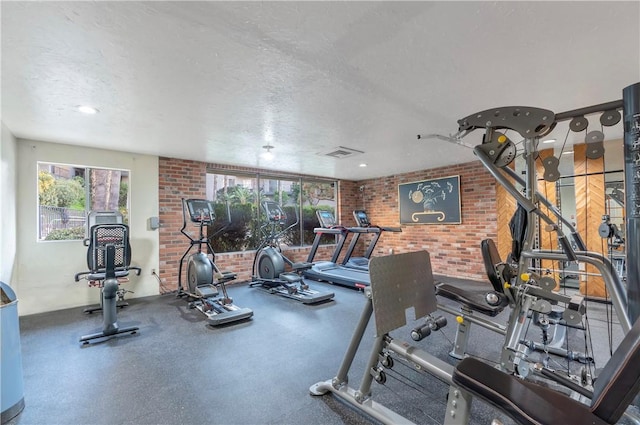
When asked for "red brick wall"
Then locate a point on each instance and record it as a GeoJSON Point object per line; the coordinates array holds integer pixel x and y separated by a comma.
{"type": "Point", "coordinates": [177, 179]}
{"type": "Point", "coordinates": [348, 201]}
{"type": "Point", "coordinates": [454, 248]}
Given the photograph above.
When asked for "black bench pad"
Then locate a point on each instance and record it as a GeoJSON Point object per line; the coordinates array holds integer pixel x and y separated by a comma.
{"type": "Point", "coordinates": [473, 300]}
{"type": "Point", "coordinates": [525, 402]}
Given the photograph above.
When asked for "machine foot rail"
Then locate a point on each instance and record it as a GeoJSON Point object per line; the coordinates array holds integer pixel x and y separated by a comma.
{"type": "Point", "coordinates": [86, 338]}
{"type": "Point", "coordinates": [229, 316]}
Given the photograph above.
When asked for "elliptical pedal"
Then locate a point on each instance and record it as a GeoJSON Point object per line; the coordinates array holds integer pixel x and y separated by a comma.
{"type": "Point", "coordinates": [206, 291]}
{"type": "Point", "coordinates": [224, 277]}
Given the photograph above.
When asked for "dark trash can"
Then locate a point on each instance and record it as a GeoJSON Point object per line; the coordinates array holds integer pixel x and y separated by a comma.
{"type": "Point", "coordinates": [11, 370]}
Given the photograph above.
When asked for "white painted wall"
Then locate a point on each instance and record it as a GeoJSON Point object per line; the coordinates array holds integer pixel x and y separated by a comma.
{"type": "Point", "coordinates": [8, 187]}
{"type": "Point", "coordinates": [46, 269]}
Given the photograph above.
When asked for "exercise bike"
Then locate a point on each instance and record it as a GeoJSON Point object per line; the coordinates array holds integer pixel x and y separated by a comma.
{"type": "Point", "coordinates": [269, 262]}
{"type": "Point", "coordinates": [203, 276]}
{"type": "Point", "coordinates": [108, 260]}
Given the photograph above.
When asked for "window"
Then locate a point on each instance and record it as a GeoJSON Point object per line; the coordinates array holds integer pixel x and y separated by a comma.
{"type": "Point", "coordinates": [67, 193]}
{"type": "Point", "coordinates": [235, 198]}
{"type": "Point", "coordinates": [242, 194]}
{"type": "Point", "coordinates": [317, 195]}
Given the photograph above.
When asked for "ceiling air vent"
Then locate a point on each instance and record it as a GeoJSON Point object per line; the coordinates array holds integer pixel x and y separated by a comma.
{"type": "Point", "coordinates": [342, 152]}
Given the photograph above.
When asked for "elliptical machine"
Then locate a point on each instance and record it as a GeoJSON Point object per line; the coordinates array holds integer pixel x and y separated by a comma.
{"type": "Point", "coordinates": [269, 263]}
{"type": "Point", "coordinates": [203, 276]}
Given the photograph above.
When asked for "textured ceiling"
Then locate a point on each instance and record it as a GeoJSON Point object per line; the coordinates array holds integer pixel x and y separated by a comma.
{"type": "Point", "coordinates": [215, 81]}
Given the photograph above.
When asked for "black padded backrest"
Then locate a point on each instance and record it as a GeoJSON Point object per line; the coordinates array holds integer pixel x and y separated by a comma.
{"type": "Point", "coordinates": [619, 382]}
{"type": "Point", "coordinates": [518, 227]}
{"type": "Point", "coordinates": [491, 257]}
{"type": "Point", "coordinates": [102, 235]}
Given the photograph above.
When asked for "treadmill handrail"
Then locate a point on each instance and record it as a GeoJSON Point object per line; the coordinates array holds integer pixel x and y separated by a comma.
{"type": "Point", "coordinates": [377, 231]}
{"type": "Point", "coordinates": [363, 229]}
{"type": "Point", "coordinates": [391, 229]}
{"type": "Point", "coordinates": [330, 231]}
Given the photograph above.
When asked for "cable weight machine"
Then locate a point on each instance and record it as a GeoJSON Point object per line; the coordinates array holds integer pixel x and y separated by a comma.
{"type": "Point", "coordinates": [524, 401]}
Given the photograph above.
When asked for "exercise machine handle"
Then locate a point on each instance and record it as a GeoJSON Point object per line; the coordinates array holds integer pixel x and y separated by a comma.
{"type": "Point", "coordinates": [567, 248]}
{"type": "Point", "coordinates": [563, 380]}
{"type": "Point", "coordinates": [577, 239]}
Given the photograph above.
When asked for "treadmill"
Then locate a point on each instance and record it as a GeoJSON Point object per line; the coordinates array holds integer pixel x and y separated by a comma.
{"type": "Point", "coordinates": [331, 271]}
{"type": "Point", "coordinates": [362, 220]}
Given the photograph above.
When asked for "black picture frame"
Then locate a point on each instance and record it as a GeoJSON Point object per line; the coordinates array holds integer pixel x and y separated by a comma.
{"type": "Point", "coordinates": [435, 201]}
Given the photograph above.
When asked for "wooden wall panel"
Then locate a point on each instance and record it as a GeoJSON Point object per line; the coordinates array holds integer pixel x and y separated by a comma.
{"type": "Point", "coordinates": [590, 206]}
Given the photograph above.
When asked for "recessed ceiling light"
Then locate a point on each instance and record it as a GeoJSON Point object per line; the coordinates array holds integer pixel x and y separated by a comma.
{"type": "Point", "coordinates": [549, 141]}
{"type": "Point", "coordinates": [267, 154]}
{"type": "Point", "coordinates": [86, 109]}
{"type": "Point", "coordinates": [363, 165]}
{"type": "Point", "coordinates": [567, 153]}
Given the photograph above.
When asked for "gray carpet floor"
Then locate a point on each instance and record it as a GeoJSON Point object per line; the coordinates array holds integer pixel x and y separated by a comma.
{"type": "Point", "coordinates": [179, 370]}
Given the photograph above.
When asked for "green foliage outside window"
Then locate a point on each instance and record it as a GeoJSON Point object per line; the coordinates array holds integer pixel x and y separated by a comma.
{"type": "Point", "coordinates": [243, 232]}
{"type": "Point", "coordinates": [62, 198]}
{"type": "Point", "coordinates": [124, 192]}
{"type": "Point", "coordinates": [65, 234]}
{"type": "Point", "coordinates": [239, 234]}
{"type": "Point", "coordinates": [66, 193]}
{"type": "Point", "coordinates": [309, 222]}
{"type": "Point", "coordinates": [244, 192]}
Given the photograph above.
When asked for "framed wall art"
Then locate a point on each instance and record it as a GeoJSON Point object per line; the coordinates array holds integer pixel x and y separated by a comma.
{"type": "Point", "coordinates": [435, 201]}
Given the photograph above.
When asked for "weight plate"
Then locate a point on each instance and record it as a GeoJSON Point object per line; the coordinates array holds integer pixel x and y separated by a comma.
{"type": "Point", "coordinates": [594, 137]}
{"type": "Point", "coordinates": [595, 150]}
{"type": "Point", "coordinates": [547, 282]}
{"type": "Point", "coordinates": [572, 317]}
{"type": "Point", "coordinates": [610, 118]}
{"type": "Point", "coordinates": [578, 124]}
{"type": "Point", "coordinates": [542, 306]}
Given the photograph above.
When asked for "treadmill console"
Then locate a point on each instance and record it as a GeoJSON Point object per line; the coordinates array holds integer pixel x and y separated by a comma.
{"type": "Point", "coordinates": [362, 219]}
{"type": "Point", "coordinates": [200, 210]}
{"type": "Point", "coordinates": [274, 212]}
{"type": "Point", "coordinates": [326, 219]}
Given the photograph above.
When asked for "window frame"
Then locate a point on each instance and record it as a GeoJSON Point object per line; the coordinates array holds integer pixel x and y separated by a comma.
{"type": "Point", "coordinates": [260, 176]}
{"type": "Point", "coordinates": [87, 169]}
